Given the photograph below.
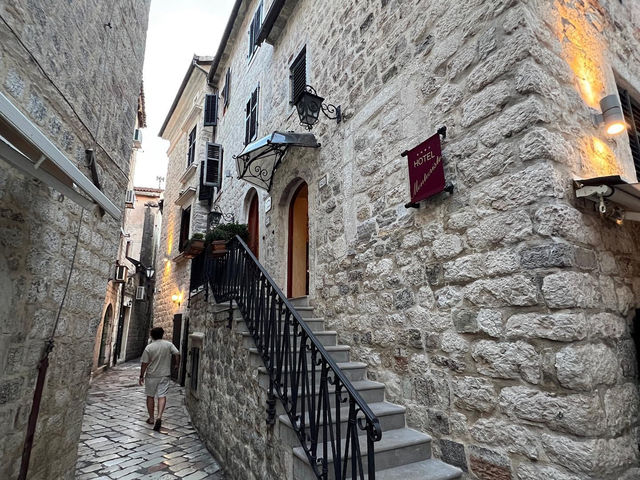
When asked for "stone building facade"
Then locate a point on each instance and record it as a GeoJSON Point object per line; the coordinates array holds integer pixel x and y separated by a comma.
{"type": "Point", "coordinates": [73, 76]}
{"type": "Point", "coordinates": [184, 213]}
{"type": "Point", "coordinates": [502, 315]}
{"type": "Point", "coordinates": [126, 304]}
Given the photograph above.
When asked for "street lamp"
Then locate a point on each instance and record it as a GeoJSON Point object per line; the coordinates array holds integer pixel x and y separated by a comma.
{"type": "Point", "coordinates": [309, 104]}
{"type": "Point", "coordinates": [150, 271]}
{"type": "Point", "coordinates": [214, 217]}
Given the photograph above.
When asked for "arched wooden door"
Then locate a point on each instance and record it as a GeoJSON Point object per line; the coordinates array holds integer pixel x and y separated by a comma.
{"type": "Point", "coordinates": [254, 226]}
{"type": "Point", "coordinates": [298, 261]}
{"type": "Point", "coordinates": [106, 326]}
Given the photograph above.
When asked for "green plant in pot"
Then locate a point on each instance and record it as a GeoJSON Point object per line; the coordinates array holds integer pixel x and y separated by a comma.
{"type": "Point", "coordinates": [221, 234]}
{"type": "Point", "coordinates": [195, 246]}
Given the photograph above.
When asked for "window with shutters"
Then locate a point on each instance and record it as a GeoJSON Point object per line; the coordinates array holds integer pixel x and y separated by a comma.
{"type": "Point", "coordinates": [251, 118]}
{"type": "Point", "coordinates": [213, 165]}
{"type": "Point", "coordinates": [210, 110]}
{"type": "Point", "coordinates": [631, 110]}
{"type": "Point", "coordinates": [227, 88]}
{"type": "Point", "coordinates": [191, 152]}
{"type": "Point", "coordinates": [205, 192]}
{"type": "Point", "coordinates": [185, 225]}
{"type": "Point", "coordinates": [254, 30]}
{"type": "Point", "coordinates": [298, 75]}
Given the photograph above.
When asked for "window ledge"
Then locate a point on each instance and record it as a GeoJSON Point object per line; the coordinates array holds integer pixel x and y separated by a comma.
{"type": "Point", "coordinates": [186, 196]}
{"type": "Point", "coordinates": [188, 173]}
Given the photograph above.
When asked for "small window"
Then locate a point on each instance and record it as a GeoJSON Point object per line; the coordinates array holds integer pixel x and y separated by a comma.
{"type": "Point", "coordinates": [251, 118]}
{"type": "Point", "coordinates": [205, 192]}
{"type": "Point", "coordinates": [195, 366]}
{"type": "Point", "coordinates": [213, 165]}
{"type": "Point", "coordinates": [210, 110]}
{"type": "Point", "coordinates": [631, 110]}
{"type": "Point", "coordinates": [254, 30]}
{"type": "Point", "coordinates": [191, 153]}
{"type": "Point", "coordinates": [298, 75]}
{"type": "Point", "coordinates": [227, 88]}
{"type": "Point", "coordinates": [185, 226]}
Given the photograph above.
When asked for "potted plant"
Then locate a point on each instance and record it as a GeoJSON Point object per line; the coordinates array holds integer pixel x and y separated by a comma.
{"type": "Point", "coordinates": [195, 246]}
{"type": "Point", "coordinates": [221, 234]}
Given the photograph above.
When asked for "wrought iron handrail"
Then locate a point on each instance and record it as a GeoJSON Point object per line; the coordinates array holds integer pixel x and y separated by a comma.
{"type": "Point", "coordinates": [299, 367]}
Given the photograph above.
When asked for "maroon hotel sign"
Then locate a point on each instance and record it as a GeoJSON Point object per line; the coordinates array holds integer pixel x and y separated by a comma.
{"type": "Point", "coordinates": [426, 172]}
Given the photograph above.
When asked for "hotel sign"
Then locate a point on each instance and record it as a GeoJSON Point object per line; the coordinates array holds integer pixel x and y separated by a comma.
{"type": "Point", "coordinates": [426, 172]}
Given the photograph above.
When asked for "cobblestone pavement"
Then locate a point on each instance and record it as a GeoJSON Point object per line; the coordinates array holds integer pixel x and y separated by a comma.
{"type": "Point", "coordinates": [116, 443]}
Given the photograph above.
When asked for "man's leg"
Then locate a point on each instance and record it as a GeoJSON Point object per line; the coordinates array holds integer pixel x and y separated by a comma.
{"type": "Point", "coordinates": [150, 408]}
{"type": "Point", "coordinates": [162, 402]}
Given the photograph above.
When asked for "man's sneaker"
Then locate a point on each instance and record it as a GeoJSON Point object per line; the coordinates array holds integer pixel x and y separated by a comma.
{"type": "Point", "coordinates": [157, 425]}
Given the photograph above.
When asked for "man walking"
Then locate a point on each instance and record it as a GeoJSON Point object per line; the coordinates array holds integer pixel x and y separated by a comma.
{"type": "Point", "coordinates": [156, 364]}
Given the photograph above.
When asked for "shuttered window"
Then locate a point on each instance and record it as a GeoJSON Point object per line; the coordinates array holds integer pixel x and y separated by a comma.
{"type": "Point", "coordinates": [227, 88]}
{"type": "Point", "coordinates": [213, 165]}
{"type": "Point", "coordinates": [185, 221]}
{"type": "Point", "coordinates": [298, 75]}
{"type": "Point", "coordinates": [210, 110]}
{"type": "Point", "coordinates": [254, 30]}
{"type": "Point", "coordinates": [191, 152]}
{"type": "Point", "coordinates": [251, 117]}
{"type": "Point", "coordinates": [205, 192]}
{"type": "Point", "coordinates": [631, 110]}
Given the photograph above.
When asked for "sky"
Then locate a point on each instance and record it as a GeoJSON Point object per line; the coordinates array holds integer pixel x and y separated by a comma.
{"type": "Point", "coordinates": [177, 31]}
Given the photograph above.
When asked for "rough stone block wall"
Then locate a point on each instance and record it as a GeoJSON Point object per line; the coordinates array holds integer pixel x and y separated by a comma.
{"type": "Point", "coordinates": [98, 71]}
{"type": "Point", "coordinates": [501, 315]}
{"type": "Point", "coordinates": [229, 406]}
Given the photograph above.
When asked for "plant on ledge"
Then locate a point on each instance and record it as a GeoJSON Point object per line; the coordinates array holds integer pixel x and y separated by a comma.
{"type": "Point", "coordinates": [195, 246]}
{"type": "Point", "coordinates": [220, 235]}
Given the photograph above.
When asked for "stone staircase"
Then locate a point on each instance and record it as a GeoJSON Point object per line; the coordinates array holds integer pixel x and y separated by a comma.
{"type": "Point", "coordinates": [401, 454]}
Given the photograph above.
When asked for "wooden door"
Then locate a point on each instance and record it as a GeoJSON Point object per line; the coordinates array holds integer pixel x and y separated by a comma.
{"type": "Point", "coordinates": [254, 227]}
{"type": "Point", "coordinates": [298, 261]}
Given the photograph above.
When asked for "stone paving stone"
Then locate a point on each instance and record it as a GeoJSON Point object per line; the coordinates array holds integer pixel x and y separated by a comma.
{"type": "Point", "coordinates": [117, 444]}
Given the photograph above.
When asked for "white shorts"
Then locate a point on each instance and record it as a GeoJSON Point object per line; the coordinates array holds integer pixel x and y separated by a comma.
{"type": "Point", "coordinates": [156, 386]}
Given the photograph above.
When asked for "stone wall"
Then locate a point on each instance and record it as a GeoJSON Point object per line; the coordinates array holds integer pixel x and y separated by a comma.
{"type": "Point", "coordinates": [501, 315]}
{"type": "Point", "coordinates": [229, 407]}
{"type": "Point", "coordinates": [86, 98]}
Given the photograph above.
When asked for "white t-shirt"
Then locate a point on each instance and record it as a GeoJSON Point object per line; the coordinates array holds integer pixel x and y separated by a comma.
{"type": "Point", "coordinates": [158, 355]}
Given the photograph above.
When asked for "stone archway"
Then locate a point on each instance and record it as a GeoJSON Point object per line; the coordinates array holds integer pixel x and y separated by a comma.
{"type": "Point", "coordinates": [103, 356]}
{"type": "Point", "coordinates": [298, 243]}
{"type": "Point", "coordinates": [253, 223]}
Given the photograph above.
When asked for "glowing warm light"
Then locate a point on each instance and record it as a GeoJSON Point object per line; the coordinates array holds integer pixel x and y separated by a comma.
{"type": "Point", "coordinates": [616, 128]}
{"type": "Point", "coordinates": [174, 297]}
{"type": "Point", "coordinates": [602, 160]}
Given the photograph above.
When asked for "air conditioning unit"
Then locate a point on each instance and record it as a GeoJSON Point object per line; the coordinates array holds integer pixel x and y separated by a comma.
{"type": "Point", "coordinates": [140, 293]}
{"type": "Point", "coordinates": [121, 273]}
{"type": "Point", "coordinates": [137, 138]}
{"type": "Point", "coordinates": [129, 199]}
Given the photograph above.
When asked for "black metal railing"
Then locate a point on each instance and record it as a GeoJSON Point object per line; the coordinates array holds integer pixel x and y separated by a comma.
{"type": "Point", "coordinates": [325, 410]}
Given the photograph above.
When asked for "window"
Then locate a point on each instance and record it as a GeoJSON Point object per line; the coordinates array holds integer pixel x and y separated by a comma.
{"type": "Point", "coordinates": [227, 87]}
{"type": "Point", "coordinates": [251, 118]}
{"type": "Point", "coordinates": [631, 110]}
{"type": "Point", "coordinates": [210, 110]}
{"type": "Point", "coordinates": [205, 192]}
{"type": "Point", "coordinates": [191, 153]}
{"type": "Point", "coordinates": [254, 30]}
{"type": "Point", "coordinates": [213, 165]}
{"type": "Point", "coordinates": [298, 75]}
{"type": "Point", "coordinates": [185, 225]}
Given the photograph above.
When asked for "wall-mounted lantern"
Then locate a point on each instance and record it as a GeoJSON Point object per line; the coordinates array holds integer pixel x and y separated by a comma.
{"type": "Point", "coordinates": [309, 104]}
{"type": "Point", "coordinates": [611, 116]}
{"type": "Point", "coordinates": [214, 217]}
{"type": "Point", "coordinates": [176, 298]}
{"type": "Point", "coordinates": [150, 272]}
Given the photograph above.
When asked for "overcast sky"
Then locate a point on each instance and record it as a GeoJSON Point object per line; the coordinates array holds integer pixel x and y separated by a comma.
{"type": "Point", "coordinates": [177, 31]}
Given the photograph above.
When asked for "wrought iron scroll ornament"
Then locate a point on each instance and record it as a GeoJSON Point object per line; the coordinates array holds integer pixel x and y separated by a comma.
{"type": "Point", "coordinates": [302, 375]}
{"type": "Point", "coordinates": [254, 169]}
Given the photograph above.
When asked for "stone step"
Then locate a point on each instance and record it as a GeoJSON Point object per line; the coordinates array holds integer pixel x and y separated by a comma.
{"type": "Point", "coordinates": [299, 301]}
{"type": "Point", "coordinates": [370, 391]}
{"type": "Point", "coordinates": [391, 417]}
{"type": "Point", "coordinates": [431, 469]}
{"type": "Point", "coordinates": [339, 353]}
{"type": "Point", "coordinates": [352, 370]}
{"type": "Point", "coordinates": [326, 337]}
{"type": "Point", "coordinates": [315, 324]}
{"type": "Point", "coordinates": [305, 312]}
{"type": "Point", "coordinates": [396, 448]}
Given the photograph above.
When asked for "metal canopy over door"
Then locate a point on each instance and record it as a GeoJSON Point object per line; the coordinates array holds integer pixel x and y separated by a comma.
{"type": "Point", "coordinates": [298, 261]}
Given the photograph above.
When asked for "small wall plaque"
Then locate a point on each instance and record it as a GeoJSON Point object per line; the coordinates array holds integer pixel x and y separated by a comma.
{"type": "Point", "coordinates": [322, 182]}
{"type": "Point", "coordinates": [267, 205]}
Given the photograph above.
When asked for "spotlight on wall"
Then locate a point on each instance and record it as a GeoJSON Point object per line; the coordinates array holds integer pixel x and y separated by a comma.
{"type": "Point", "coordinates": [611, 116]}
{"type": "Point", "coordinates": [176, 298]}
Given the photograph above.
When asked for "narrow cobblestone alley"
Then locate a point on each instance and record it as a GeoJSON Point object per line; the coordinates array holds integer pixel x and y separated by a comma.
{"type": "Point", "coordinates": [116, 443]}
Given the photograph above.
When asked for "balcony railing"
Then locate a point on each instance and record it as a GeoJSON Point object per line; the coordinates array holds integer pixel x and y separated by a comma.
{"type": "Point", "coordinates": [308, 382]}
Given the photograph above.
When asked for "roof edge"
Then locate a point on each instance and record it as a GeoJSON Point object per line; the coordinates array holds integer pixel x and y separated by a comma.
{"type": "Point", "coordinates": [225, 39]}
